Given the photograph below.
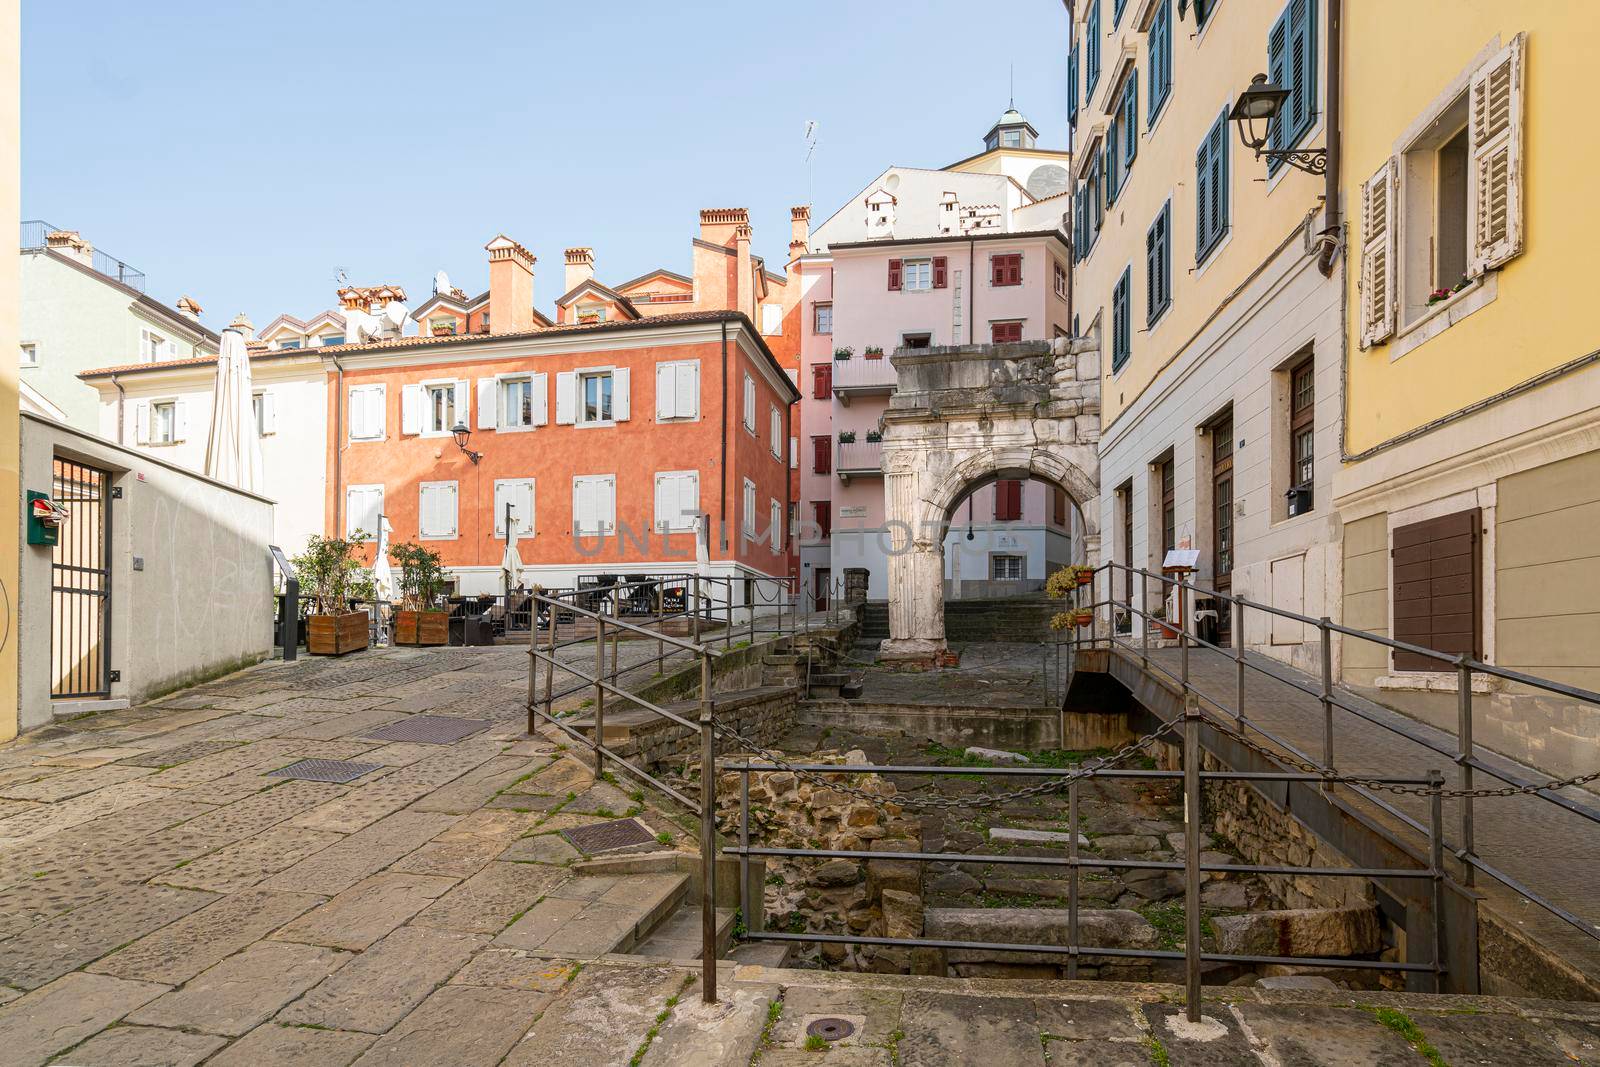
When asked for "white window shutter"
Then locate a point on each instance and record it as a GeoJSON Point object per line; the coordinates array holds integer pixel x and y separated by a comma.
{"type": "Point", "coordinates": [776, 532]}
{"type": "Point", "coordinates": [566, 397]}
{"type": "Point", "coordinates": [463, 393]}
{"type": "Point", "coordinates": [378, 411]}
{"type": "Point", "coordinates": [620, 408]}
{"type": "Point", "coordinates": [777, 434]}
{"type": "Point", "coordinates": [582, 497]}
{"type": "Point", "coordinates": [608, 502]}
{"type": "Point", "coordinates": [180, 420]}
{"type": "Point", "coordinates": [488, 402]}
{"type": "Point", "coordinates": [450, 509]}
{"type": "Point", "coordinates": [666, 391]}
{"type": "Point", "coordinates": [141, 422]}
{"type": "Point", "coordinates": [1377, 255]}
{"type": "Point", "coordinates": [526, 521]}
{"type": "Point", "coordinates": [666, 501]}
{"type": "Point", "coordinates": [749, 403]}
{"type": "Point", "coordinates": [688, 499]}
{"type": "Point", "coordinates": [541, 399]}
{"type": "Point", "coordinates": [412, 401]}
{"type": "Point", "coordinates": [688, 389]}
{"type": "Point", "coordinates": [374, 513]}
{"type": "Point", "coordinates": [352, 504]}
{"type": "Point", "coordinates": [269, 412]}
{"type": "Point", "coordinates": [1494, 145]}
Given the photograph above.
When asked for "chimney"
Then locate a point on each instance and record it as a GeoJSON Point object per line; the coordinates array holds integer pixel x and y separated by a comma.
{"type": "Point", "coordinates": [69, 244]}
{"type": "Point", "coordinates": [188, 308]}
{"type": "Point", "coordinates": [719, 224]}
{"type": "Point", "coordinates": [242, 323]}
{"type": "Point", "coordinates": [799, 230]}
{"type": "Point", "coordinates": [510, 286]}
{"type": "Point", "coordinates": [744, 295]}
{"type": "Point", "coordinates": [580, 267]}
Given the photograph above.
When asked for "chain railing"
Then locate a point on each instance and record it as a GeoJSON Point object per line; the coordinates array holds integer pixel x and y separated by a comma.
{"type": "Point", "coordinates": [1465, 754]}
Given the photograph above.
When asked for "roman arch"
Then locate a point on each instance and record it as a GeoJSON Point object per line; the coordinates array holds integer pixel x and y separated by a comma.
{"type": "Point", "coordinates": [965, 416]}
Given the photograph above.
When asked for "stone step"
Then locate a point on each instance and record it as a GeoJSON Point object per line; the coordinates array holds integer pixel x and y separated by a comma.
{"type": "Point", "coordinates": [679, 937]}
{"type": "Point", "coordinates": [785, 659]}
{"type": "Point", "coordinates": [763, 953]}
{"type": "Point", "coordinates": [589, 915]}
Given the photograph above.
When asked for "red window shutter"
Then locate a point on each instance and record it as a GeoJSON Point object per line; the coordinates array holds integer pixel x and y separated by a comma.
{"type": "Point", "coordinates": [822, 455]}
{"type": "Point", "coordinates": [821, 381]}
{"type": "Point", "coordinates": [894, 275]}
{"type": "Point", "coordinates": [1005, 269]}
{"type": "Point", "coordinates": [1005, 333]}
{"type": "Point", "coordinates": [939, 272]}
{"type": "Point", "coordinates": [1007, 500]}
{"type": "Point", "coordinates": [822, 510]}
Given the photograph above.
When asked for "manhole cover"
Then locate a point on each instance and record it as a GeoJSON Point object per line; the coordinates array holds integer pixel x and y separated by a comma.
{"type": "Point", "coordinates": [324, 770]}
{"type": "Point", "coordinates": [831, 1029]}
{"type": "Point", "coordinates": [609, 836]}
{"type": "Point", "coordinates": [429, 729]}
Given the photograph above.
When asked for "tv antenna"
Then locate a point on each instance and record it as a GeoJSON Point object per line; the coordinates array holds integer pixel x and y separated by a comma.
{"type": "Point", "coordinates": [811, 147]}
{"type": "Point", "coordinates": [341, 277]}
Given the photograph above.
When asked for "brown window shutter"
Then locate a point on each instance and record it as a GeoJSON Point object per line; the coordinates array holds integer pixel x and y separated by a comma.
{"type": "Point", "coordinates": [821, 455]}
{"type": "Point", "coordinates": [1008, 500]}
{"type": "Point", "coordinates": [894, 275]}
{"type": "Point", "coordinates": [822, 510]}
{"type": "Point", "coordinates": [939, 271]}
{"type": "Point", "coordinates": [1437, 583]}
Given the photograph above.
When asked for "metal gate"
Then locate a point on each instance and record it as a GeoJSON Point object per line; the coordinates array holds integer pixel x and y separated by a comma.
{"type": "Point", "coordinates": [80, 584]}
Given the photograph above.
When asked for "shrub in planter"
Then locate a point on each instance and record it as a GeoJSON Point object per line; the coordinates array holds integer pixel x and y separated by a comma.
{"type": "Point", "coordinates": [874, 352]}
{"type": "Point", "coordinates": [847, 437]}
{"type": "Point", "coordinates": [329, 571]}
{"type": "Point", "coordinates": [874, 436]}
{"type": "Point", "coordinates": [1084, 617]}
{"type": "Point", "coordinates": [843, 353]}
{"type": "Point", "coordinates": [421, 618]}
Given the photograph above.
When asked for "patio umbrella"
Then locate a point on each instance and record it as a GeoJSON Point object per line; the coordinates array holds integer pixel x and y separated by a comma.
{"type": "Point", "coordinates": [233, 450]}
{"type": "Point", "coordinates": [511, 562]}
{"type": "Point", "coordinates": [383, 574]}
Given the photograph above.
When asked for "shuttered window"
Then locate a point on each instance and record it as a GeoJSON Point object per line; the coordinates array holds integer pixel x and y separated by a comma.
{"type": "Point", "coordinates": [822, 515]}
{"type": "Point", "coordinates": [1109, 164]}
{"type": "Point", "coordinates": [678, 390]}
{"type": "Point", "coordinates": [1158, 265]}
{"type": "Point", "coordinates": [1303, 426]}
{"type": "Point", "coordinates": [1167, 482]}
{"type": "Point", "coordinates": [748, 516]}
{"type": "Point", "coordinates": [821, 381]}
{"type": "Point", "coordinates": [1160, 60]}
{"type": "Point", "coordinates": [436, 511]}
{"type": "Point", "coordinates": [776, 419]}
{"type": "Point", "coordinates": [822, 455]}
{"type": "Point", "coordinates": [1495, 151]}
{"type": "Point", "coordinates": [1005, 269]}
{"type": "Point", "coordinates": [1091, 30]}
{"type": "Point", "coordinates": [366, 413]}
{"type": "Point", "coordinates": [1292, 64]}
{"type": "Point", "coordinates": [517, 495]}
{"type": "Point", "coordinates": [594, 503]}
{"type": "Point", "coordinates": [1129, 123]}
{"type": "Point", "coordinates": [1377, 255]}
{"type": "Point", "coordinates": [363, 507]}
{"type": "Point", "coordinates": [1072, 86]}
{"type": "Point", "coordinates": [1121, 321]}
{"type": "Point", "coordinates": [749, 403]}
{"type": "Point", "coordinates": [1005, 333]}
{"type": "Point", "coordinates": [1007, 500]}
{"type": "Point", "coordinates": [1211, 189]}
{"type": "Point", "coordinates": [677, 500]}
{"type": "Point", "coordinates": [1437, 598]}
{"type": "Point", "coordinates": [896, 274]}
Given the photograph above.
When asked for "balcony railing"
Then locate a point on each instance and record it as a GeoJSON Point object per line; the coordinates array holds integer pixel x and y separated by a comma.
{"type": "Point", "coordinates": [858, 458]}
{"type": "Point", "coordinates": [34, 232]}
{"type": "Point", "coordinates": [858, 376]}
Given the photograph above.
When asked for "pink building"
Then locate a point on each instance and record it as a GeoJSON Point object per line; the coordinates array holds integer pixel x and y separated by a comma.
{"type": "Point", "coordinates": [975, 253]}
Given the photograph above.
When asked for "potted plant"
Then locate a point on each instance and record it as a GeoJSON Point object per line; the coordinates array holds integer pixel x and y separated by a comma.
{"type": "Point", "coordinates": [442, 329]}
{"type": "Point", "coordinates": [1439, 296]}
{"type": "Point", "coordinates": [874, 436]}
{"type": "Point", "coordinates": [844, 353]}
{"type": "Point", "coordinates": [847, 437]}
{"type": "Point", "coordinates": [1159, 620]}
{"type": "Point", "coordinates": [874, 352]}
{"type": "Point", "coordinates": [421, 618]}
{"type": "Point", "coordinates": [1084, 617]}
{"type": "Point", "coordinates": [328, 570]}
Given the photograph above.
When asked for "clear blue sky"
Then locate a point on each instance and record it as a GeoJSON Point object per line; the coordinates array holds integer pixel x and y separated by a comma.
{"type": "Point", "coordinates": [244, 152]}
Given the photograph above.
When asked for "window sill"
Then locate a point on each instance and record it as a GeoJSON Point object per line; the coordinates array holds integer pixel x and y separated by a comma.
{"type": "Point", "coordinates": [596, 425]}
{"type": "Point", "coordinates": [1205, 258]}
{"type": "Point", "coordinates": [1445, 314]}
{"type": "Point", "coordinates": [368, 440]}
{"type": "Point", "coordinates": [1433, 682]}
{"type": "Point", "coordinates": [514, 429]}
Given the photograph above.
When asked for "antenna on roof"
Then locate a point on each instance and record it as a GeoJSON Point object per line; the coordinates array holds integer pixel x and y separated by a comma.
{"type": "Point", "coordinates": [341, 277]}
{"type": "Point", "coordinates": [811, 147]}
{"type": "Point", "coordinates": [1011, 102]}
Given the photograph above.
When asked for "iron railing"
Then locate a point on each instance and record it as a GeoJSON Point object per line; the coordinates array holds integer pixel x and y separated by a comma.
{"type": "Point", "coordinates": [35, 232]}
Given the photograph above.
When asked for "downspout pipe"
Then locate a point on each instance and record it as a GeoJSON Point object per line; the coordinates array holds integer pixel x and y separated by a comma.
{"type": "Point", "coordinates": [338, 448]}
{"type": "Point", "coordinates": [722, 472]}
{"type": "Point", "coordinates": [1332, 237]}
{"type": "Point", "coordinates": [122, 396]}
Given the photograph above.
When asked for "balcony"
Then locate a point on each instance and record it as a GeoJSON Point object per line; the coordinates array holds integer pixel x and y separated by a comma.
{"type": "Point", "coordinates": [35, 235]}
{"type": "Point", "coordinates": [858, 459]}
{"type": "Point", "coordinates": [859, 376]}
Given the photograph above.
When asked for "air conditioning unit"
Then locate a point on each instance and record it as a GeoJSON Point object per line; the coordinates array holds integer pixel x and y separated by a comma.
{"type": "Point", "coordinates": [1299, 500]}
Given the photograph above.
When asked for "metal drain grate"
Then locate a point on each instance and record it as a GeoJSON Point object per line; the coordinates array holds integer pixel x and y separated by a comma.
{"type": "Point", "coordinates": [831, 1029]}
{"type": "Point", "coordinates": [609, 836]}
{"type": "Point", "coordinates": [324, 770]}
{"type": "Point", "coordinates": [429, 729]}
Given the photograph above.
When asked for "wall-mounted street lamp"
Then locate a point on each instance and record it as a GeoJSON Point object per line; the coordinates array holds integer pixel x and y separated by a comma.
{"type": "Point", "coordinates": [462, 434]}
{"type": "Point", "coordinates": [1254, 111]}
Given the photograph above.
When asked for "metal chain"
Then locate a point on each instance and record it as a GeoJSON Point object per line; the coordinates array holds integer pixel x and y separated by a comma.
{"type": "Point", "coordinates": [978, 800]}
{"type": "Point", "coordinates": [1334, 777]}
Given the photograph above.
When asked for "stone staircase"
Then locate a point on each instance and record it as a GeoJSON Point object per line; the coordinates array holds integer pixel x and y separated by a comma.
{"type": "Point", "coordinates": [812, 661]}
{"type": "Point", "coordinates": [644, 913]}
{"type": "Point", "coordinates": [1020, 618]}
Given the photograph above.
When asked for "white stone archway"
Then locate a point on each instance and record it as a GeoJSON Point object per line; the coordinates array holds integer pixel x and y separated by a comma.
{"type": "Point", "coordinates": [963, 417]}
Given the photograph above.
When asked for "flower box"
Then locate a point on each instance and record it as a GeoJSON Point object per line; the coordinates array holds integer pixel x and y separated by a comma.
{"type": "Point", "coordinates": [874, 352]}
{"type": "Point", "coordinates": [335, 635]}
{"type": "Point", "coordinates": [421, 627]}
{"type": "Point", "coordinates": [842, 354]}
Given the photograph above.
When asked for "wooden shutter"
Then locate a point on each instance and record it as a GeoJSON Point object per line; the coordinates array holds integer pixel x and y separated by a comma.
{"type": "Point", "coordinates": [1437, 603]}
{"type": "Point", "coordinates": [1494, 145]}
{"type": "Point", "coordinates": [1130, 121]}
{"type": "Point", "coordinates": [1202, 197]}
{"type": "Point", "coordinates": [940, 273]}
{"type": "Point", "coordinates": [566, 397]}
{"type": "Point", "coordinates": [621, 408]}
{"type": "Point", "coordinates": [180, 420]}
{"type": "Point", "coordinates": [541, 399]}
{"type": "Point", "coordinates": [1278, 74]}
{"type": "Point", "coordinates": [1005, 333]}
{"type": "Point", "coordinates": [687, 385]}
{"type": "Point", "coordinates": [1377, 255]}
{"type": "Point", "coordinates": [411, 404]}
{"type": "Point", "coordinates": [688, 499]}
{"type": "Point", "coordinates": [1219, 177]}
{"type": "Point", "coordinates": [488, 403]}
{"type": "Point", "coordinates": [749, 403]}
{"type": "Point", "coordinates": [895, 266]}
{"type": "Point", "coordinates": [666, 391]}
{"type": "Point", "coordinates": [821, 455]}
{"type": "Point", "coordinates": [821, 381]}
{"type": "Point", "coordinates": [1007, 500]}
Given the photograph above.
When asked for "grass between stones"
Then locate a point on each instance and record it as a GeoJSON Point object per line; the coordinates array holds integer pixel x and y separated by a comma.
{"type": "Point", "coordinates": [774, 1013]}
{"type": "Point", "coordinates": [1401, 1023]}
{"type": "Point", "coordinates": [661, 1017]}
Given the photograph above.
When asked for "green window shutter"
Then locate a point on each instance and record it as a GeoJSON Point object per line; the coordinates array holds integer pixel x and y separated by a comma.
{"type": "Point", "coordinates": [1112, 169]}
{"type": "Point", "coordinates": [1091, 76]}
{"type": "Point", "coordinates": [1072, 85]}
{"type": "Point", "coordinates": [1278, 74]}
{"type": "Point", "coordinates": [1117, 7]}
{"type": "Point", "coordinates": [1121, 323]}
{"type": "Point", "coordinates": [1160, 60]}
{"type": "Point", "coordinates": [1130, 120]}
{"type": "Point", "coordinates": [1219, 178]}
{"type": "Point", "coordinates": [1202, 198]}
{"type": "Point", "coordinates": [1302, 60]}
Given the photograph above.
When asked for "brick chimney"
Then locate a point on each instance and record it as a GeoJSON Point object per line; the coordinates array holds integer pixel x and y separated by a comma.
{"type": "Point", "coordinates": [188, 308]}
{"type": "Point", "coordinates": [70, 244]}
{"type": "Point", "coordinates": [799, 230]}
{"type": "Point", "coordinates": [580, 267]}
{"type": "Point", "coordinates": [510, 286]}
{"type": "Point", "coordinates": [744, 293]}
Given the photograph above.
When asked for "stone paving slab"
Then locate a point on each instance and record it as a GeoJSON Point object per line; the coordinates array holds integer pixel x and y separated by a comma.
{"type": "Point", "coordinates": [245, 863]}
{"type": "Point", "coordinates": [52, 819]}
{"type": "Point", "coordinates": [452, 859]}
{"type": "Point", "coordinates": [59, 787]}
{"type": "Point", "coordinates": [143, 1046]}
{"type": "Point", "coordinates": [489, 900]}
{"type": "Point", "coordinates": [600, 1018]}
{"type": "Point", "coordinates": [271, 1045]}
{"type": "Point", "coordinates": [1295, 1034]}
{"type": "Point", "coordinates": [256, 813]}
{"type": "Point", "coordinates": [197, 941]}
{"type": "Point", "coordinates": [458, 1025]}
{"type": "Point", "coordinates": [378, 988]}
{"type": "Point", "coordinates": [244, 990]}
{"type": "Point", "coordinates": [367, 911]}
{"type": "Point", "coordinates": [53, 948]}
{"type": "Point", "coordinates": [65, 1012]}
{"type": "Point", "coordinates": [340, 866]}
{"type": "Point", "coordinates": [516, 969]}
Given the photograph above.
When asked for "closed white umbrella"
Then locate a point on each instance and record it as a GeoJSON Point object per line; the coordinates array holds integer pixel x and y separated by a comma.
{"type": "Point", "coordinates": [382, 573]}
{"type": "Point", "coordinates": [511, 562]}
{"type": "Point", "coordinates": [233, 449]}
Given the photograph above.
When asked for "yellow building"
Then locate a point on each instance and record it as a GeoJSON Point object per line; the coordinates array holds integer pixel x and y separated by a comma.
{"type": "Point", "coordinates": [1470, 490]}
{"type": "Point", "coordinates": [1217, 306]}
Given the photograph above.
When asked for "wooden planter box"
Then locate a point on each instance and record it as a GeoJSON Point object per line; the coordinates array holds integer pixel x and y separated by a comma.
{"type": "Point", "coordinates": [334, 635]}
{"type": "Point", "coordinates": [421, 627]}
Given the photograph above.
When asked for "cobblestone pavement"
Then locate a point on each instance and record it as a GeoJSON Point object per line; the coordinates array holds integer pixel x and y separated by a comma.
{"type": "Point", "coordinates": [166, 899]}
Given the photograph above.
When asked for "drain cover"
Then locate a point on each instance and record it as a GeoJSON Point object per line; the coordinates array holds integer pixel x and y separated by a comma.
{"type": "Point", "coordinates": [831, 1029]}
{"type": "Point", "coordinates": [324, 770]}
{"type": "Point", "coordinates": [609, 836]}
{"type": "Point", "coordinates": [429, 729]}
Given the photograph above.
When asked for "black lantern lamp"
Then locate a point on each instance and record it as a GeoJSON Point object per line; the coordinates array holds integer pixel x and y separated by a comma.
{"type": "Point", "coordinates": [462, 434]}
{"type": "Point", "coordinates": [1254, 111]}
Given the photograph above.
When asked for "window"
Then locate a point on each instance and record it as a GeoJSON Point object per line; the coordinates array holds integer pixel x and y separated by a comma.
{"type": "Point", "coordinates": [1158, 265]}
{"type": "Point", "coordinates": [776, 422]}
{"type": "Point", "coordinates": [154, 347]}
{"type": "Point", "coordinates": [164, 422]}
{"type": "Point", "coordinates": [1059, 278]}
{"type": "Point", "coordinates": [1128, 124]}
{"type": "Point", "coordinates": [749, 403]}
{"type": "Point", "coordinates": [1006, 568]}
{"type": "Point", "coordinates": [592, 313]}
{"type": "Point", "coordinates": [1008, 500]}
{"type": "Point", "coordinates": [1091, 30]}
{"type": "Point", "coordinates": [440, 414]}
{"type": "Point", "coordinates": [1116, 11]}
{"type": "Point", "coordinates": [1058, 505]}
{"type": "Point", "coordinates": [363, 511]}
{"type": "Point", "coordinates": [1438, 588]}
{"type": "Point", "coordinates": [289, 342]}
{"type": "Point", "coordinates": [1211, 189]}
{"type": "Point", "coordinates": [1111, 167]}
{"type": "Point", "coordinates": [1292, 63]}
{"type": "Point", "coordinates": [1220, 436]}
{"type": "Point", "coordinates": [821, 318]}
{"type": "Point", "coordinates": [519, 400]}
{"type": "Point", "coordinates": [822, 455]}
{"type": "Point", "coordinates": [1125, 502]}
{"type": "Point", "coordinates": [821, 381]}
{"type": "Point", "coordinates": [594, 504]}
{"type": "Point", "coordinates": [822, 515]}
{"type": "Point", "coordinates": [772, 320]}
{"type": "Point", "coordinates": [1166, 480]}
{"type": "Point", "coordinates": [917, 275]}
{"type": "Point", "coordinates": [517, 495]}
{"type": "Point", "coordinates": [916, 340]}
{"type": "Point", "coordinates": [516, 403]}
{"type": "Point", "coordinates": [678, 390]}
{"type": "Point", "coordinates": [1202, 11]}
{"type": "Point", "coordinates": [332, 339]}
{"type": "Point", "coordinates": [30, 354]}
{"type": "Point", "coordinates": [775, 518]}
{"type": "Point", "coordinates": [1303, 428]}
{"type": "Point", "coordinates": [677, 500]}
{"type": "Point", "coordinates": [1121, 321]}
{"type": "Point", "coordinates": [436, 511]}
{"type": "Point", "coordinates": [748, 515]}
{"type": "Point", "coordinates": [1160, 60]}
{"type": "Point", "coordinates": [1011, 139]}
{"type": "Point", "coordinates": [1005, 333]}
{"type": "Point", "coordinates": [366, 413]}
{"type": "Point", "coordinates": [265, 407]}
{"type": "Point", "coordinates": [1005, 269]}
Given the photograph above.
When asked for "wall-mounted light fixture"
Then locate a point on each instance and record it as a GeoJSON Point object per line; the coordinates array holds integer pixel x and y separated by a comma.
{"type": "Point", "coordinates": [1254, 111]}
{"type": "Point", "coordinates": [462, 434]}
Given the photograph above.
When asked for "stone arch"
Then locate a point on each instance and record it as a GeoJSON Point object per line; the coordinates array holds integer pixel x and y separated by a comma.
{"type": "Point", "coordinates": [978, 469]}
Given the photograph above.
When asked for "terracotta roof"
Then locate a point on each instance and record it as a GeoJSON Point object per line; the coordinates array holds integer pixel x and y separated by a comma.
{"type": "Point", "coordinates": [199, 361]}
{"type": "Point", "coordinates": [984, 235]}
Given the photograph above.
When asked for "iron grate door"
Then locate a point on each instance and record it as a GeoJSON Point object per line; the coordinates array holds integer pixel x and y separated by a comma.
{"type": "Point", "coordinates": [80, 584]}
